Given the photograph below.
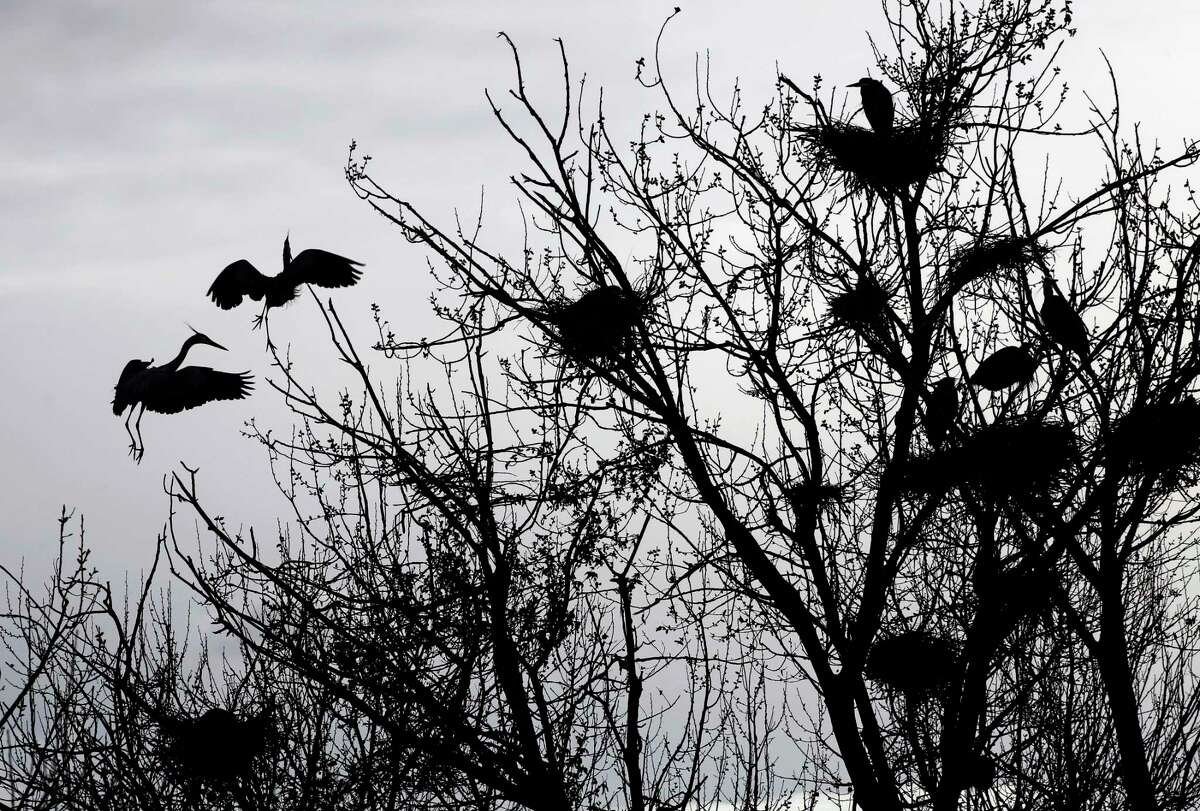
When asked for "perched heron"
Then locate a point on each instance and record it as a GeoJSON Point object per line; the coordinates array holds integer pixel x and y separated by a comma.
{"type": "Point", "coordinates": [1005, 368]}
{"type": "Point", "coordinates": [877, 104]}
{"type": "Point", "coordinates": [169, 389]}
{"type": "Point", "coordinates": [311, 266]}
{"type": "Point", "coordinates": [1062, 323]}
{"type": "Point", "coordinates": [941, 407]}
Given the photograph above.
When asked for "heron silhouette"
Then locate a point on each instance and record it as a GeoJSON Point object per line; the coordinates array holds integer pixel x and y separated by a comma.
{"type": "Point", "coordinates": [169, 389]}
{"type": "Point", "coordinates": [1005, 368]}
{"type": "Point", "coordinates": [311, 266]}
{"type": "Point", "coordinates": [1062, 323]}
{"type": "Point", "coordinates": [941, 408]}
{"type": "Point", "coordinates": [877, 104]}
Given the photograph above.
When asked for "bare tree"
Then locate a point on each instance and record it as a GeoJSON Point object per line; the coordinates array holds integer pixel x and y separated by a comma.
{"type": "Point", "coordinates": [708, 524]}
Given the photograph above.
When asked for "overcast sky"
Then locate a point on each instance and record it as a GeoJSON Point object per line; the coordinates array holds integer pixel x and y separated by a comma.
{"type": "Point", "coordinates": [144, 145]}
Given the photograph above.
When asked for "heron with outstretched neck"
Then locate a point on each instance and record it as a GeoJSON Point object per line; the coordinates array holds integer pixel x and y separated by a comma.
{"type": "Point", "coordinates": [311, 266]}
{"type": "Point", "coordinates": [171, 388]}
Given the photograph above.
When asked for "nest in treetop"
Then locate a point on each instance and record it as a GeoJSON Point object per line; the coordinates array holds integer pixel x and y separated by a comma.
{"type": "Point", "coordinates": [1157, 439]}
{"type": "Point", "coordinates": [806, 496]}
{"type": "Point", "coordinates": [1008, 597]}
{"type": "Point", "coordinates": [864, 308]}
{"type": "Point", "coordinates": [999, 460]}
{"type": "Point", "coordinates": [979, 772]}
{"type": "Point", "coordinates": [994, 255]}
{"type": "Point", "coordinates": [913, 662]}
{"type": "Point", "coordinates": [885, 163]}
{"type": "Point", "coordinates": [216, 747]}
{"type": "Point", "coordinates": [1013, 458]}
{"type": "Point", "coordinates": [600, 325]}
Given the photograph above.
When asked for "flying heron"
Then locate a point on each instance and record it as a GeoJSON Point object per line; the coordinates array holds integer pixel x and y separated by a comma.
{"type": "Point", "coordinates": [169, 389]}
{"type": "Point", "coordinates": [877, 104]}
{"type": "Point", "coordinates": [1062, 323]}
{"type": "Point", "coordinates": [311, 266]}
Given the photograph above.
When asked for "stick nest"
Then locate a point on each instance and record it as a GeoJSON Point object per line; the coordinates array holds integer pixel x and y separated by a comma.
{"type": "Point", "coordinates": [1159, 439]}
{"type": "Point", "coordinates": [998, 461]}
{"type": "Point", "coordinates": [979, 772]}
{"type": "Point", "coordinates": [863, 309]}
{"type": "Point", "coordinates": [805, 497]}
{"type": "Point", "coordinates": [1011, 596]}
{"type": "Point", "coordinates": [913, 662]}
{"type": "Point", "coordinates": [216, 747]}
{"type": "Point", "coordinates": [885, 163]}
{"type": "Point", "coordinates": [992, 256]}
{"type": "Point", "coordinates": [600, 325]}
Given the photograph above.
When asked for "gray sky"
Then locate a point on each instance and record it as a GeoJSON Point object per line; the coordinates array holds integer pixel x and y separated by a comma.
{"type": "Point", "coordinates": [147, 144]}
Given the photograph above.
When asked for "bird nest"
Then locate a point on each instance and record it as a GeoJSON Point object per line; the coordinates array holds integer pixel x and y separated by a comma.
{"type": "Point", "coordinates": [979, 772]}
{"type": "Point", "coordinates": [1015, 458]}
{"type": "Point", "coordinates": [600, 325]}
{"type": "Point", "coordinates": [997, 461]}
{"type": "Point", "coordinates": [913, 662]}
{"type": "Point", "coordinates": [994, 255]}
{"type": "Point", "coordinates": [217, 747]}
{"type": "Point", "coordinates": [1159, 439]}
{"type": "Point", "coordinates": [1009, 597]}
{"type": "Point", "coordinates": [885, 163]}
{"type": "Point", "coordinates": [864, 308]}
{"type": "Point", "coordinates": [807, 497]}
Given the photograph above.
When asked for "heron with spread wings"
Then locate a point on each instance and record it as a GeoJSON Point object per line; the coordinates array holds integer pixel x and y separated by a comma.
{"type": "Point", "coordinates": [311, 266]}
{"type": "Point", "coordinates": [172, 387]}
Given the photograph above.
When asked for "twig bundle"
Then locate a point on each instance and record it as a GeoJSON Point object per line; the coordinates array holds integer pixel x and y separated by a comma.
{"type": "Point", "coordinates": [1013, 458]}
{"type": "Point", "coordinates": [599, 325]}
{"type": "Point", "coordinates": [884, 163]}
{"type": "Point", "coordinates": [863, 309]}
{"type": "Point", "coordinates": [1011, 596]}
{"type": "Point", "coordinates": [913, 662]}
{"type": "Point", "coordinates": [1157, 439]}
{"type": "Point", "coordinates": [998, 461]}
{"type": "Point", "coordinates": [979, 772]}
{"type": "Point", "coordinates": [995, 255]}
{"type": "Point", "coordinates": [807, 497]}
{"type": "Point", "coordinates": [216, 747]}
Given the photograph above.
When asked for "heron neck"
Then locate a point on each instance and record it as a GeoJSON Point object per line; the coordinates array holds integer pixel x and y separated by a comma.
{"type": "Point", "coordinates": [183, 350]}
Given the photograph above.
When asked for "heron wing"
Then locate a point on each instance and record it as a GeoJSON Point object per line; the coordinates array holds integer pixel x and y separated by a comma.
{"type": "Point", "coordinates": [125, 393]}
{"type": "Point", "coordinates": [314, 266]}
{"type": "Point", "coordinates": [238, 279]}
{"type": "Point", "coordinates": [194, 386]}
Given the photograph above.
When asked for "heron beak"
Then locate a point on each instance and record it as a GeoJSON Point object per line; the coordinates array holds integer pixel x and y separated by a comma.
{"type": "Point", "coordinates": [217, 345]}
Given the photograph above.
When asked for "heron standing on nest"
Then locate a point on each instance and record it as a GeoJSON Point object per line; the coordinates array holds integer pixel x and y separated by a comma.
{"type": "Point", "coordinates": [876, 104]}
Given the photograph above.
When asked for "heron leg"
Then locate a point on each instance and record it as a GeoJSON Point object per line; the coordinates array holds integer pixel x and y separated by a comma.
{"type": "Point", "coordinates": [141, 446]}
{"type": "Point", "coordinates": [267, 329]}
{"type": "Point", "coordinates": [129, 431]}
